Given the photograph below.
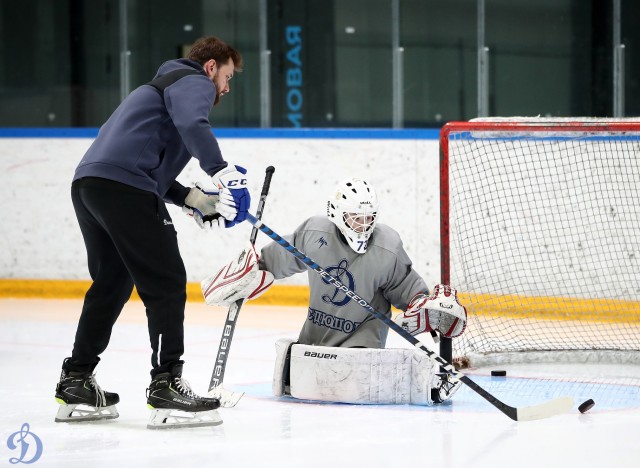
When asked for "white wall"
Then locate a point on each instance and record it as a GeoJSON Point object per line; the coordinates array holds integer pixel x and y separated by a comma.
{"type": "Point", "coordinates": [40, 238]}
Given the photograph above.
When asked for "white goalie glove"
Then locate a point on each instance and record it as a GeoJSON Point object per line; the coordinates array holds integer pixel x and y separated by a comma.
{"type": "Point", "coordinates": [239, 279]}
{"type": "Point", "coordinates": [441, 312]}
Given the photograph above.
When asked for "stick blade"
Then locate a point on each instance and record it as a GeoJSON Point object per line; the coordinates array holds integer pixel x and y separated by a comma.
{"type": "Point", "coordinates": [545, 410]}
{"type": "Point", "coordinates": [228, 399]}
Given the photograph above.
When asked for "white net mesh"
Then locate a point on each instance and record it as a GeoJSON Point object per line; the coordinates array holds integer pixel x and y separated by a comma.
{"type": "Point", "coordinates": [544, 234]}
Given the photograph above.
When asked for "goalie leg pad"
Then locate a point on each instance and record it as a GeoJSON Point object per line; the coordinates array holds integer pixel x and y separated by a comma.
{"type": "Point", "coordinates": [350, 375]}
{"type": "Point", "coordinates": [424, 379]}
{"type": "Point", "coordinates": [360, 375]}
{"type": "Point", "coordinates": [281, 370]}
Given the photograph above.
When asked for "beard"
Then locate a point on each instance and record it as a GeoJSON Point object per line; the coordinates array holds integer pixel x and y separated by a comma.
{"type": "Point", "coordinates": [216, 100]}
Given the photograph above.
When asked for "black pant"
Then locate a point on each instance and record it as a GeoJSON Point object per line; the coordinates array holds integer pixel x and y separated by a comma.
{"type": "Point", "coordinates": [130, 239]}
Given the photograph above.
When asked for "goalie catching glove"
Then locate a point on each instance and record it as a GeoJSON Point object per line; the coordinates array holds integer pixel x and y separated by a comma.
{"type": "Point", "coordinates": [439, 312]}
{"type": "Point", "coordinates": [239, 279]}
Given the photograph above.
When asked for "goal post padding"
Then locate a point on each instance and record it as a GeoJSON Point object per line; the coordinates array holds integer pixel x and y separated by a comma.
{"type": "Point", "coordinates": [540, 231]}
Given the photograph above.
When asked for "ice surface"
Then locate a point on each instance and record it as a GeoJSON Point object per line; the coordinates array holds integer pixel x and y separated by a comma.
{"type": "Point", "coordinates": [262, 431]}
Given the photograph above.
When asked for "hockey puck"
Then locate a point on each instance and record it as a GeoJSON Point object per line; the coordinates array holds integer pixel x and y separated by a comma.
{"type": "Point", "coordinates": [586, 406]}
{"type": "Point", "coordinates": [498, 373]}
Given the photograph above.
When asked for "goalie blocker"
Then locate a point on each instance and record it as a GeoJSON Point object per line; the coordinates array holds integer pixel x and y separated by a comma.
{"type": "Point", "coordinates": [239, 279]}
{"type": "Point", "coordinates": [359, 375]}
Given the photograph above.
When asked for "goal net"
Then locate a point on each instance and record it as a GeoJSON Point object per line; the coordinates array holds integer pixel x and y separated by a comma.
{"type": "Point", "coordinates": [540, 232]}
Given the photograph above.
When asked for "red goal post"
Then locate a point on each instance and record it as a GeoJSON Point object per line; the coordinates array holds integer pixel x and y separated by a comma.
{"type": "Point", "coordinates": [540, 232]}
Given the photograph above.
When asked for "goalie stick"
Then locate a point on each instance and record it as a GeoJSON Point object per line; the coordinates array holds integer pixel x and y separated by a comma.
{"type": "Point", "coordinates": [527, 413]}
{"type": "Point", "coordinates": [229, 399]}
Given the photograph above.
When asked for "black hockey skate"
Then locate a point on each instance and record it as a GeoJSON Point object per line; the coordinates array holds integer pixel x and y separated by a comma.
{"type": "Point", "coordinates": [82, 399]}
{"type": "Point", "coordinates": [174, 404]}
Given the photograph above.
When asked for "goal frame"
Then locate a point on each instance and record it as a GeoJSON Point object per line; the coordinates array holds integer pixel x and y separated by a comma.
{"type": "Point", "coordinates": [505, 125]}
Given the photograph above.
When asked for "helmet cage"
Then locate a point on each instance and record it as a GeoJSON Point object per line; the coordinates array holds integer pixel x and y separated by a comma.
{"type": "Point", "coordinates": [354, 210]}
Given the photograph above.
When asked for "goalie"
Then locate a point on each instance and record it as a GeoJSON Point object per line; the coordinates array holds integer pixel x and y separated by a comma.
{"type": "Point", "coordinates": [340, 353]}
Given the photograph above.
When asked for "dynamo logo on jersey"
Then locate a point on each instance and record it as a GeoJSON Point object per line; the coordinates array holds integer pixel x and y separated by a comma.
{"type": "Point", "coordinates": [342, 274]}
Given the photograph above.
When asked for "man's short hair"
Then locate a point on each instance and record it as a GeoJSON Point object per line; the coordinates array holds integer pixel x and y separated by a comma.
{"type": "Point", "coordinates": [210, 47]}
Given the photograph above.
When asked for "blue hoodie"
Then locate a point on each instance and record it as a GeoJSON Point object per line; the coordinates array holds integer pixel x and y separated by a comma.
{"type": "Point", "coordinates": [149, 140]}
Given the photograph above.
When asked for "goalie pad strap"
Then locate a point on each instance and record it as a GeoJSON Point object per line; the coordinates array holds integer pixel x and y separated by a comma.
{"type": "Point", "coordinates": [359, 375]}
{"type": "Point", "coordinates": [281, 370]}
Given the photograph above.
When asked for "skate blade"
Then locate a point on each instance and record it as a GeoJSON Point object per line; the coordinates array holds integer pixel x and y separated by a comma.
{"type": "Point", "coordinates": [228, 399]}
{"type": "Point", "coordinates": [80, 413]}
{"type": "Point", "coordinates": [174, 419]}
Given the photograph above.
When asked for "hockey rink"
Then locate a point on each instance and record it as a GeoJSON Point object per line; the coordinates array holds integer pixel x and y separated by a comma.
{"type": "Point", "coordinates": [263, 431]}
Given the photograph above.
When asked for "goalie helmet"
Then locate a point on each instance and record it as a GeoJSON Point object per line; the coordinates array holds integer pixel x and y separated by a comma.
{"type": "Point", "coordinates": [353, 208]}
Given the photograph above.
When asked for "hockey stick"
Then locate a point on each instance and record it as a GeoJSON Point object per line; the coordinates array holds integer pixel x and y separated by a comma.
{"type": "Point", "coordinates": [229, 399]}
{"type": "Point", "coordinates": [528, 413]}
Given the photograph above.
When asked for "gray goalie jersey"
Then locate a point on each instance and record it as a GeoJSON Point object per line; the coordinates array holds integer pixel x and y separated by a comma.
{"type": "Point", "coordinates": [383, 276]}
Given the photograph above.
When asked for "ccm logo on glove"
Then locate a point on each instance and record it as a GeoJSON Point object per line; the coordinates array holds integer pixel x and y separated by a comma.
{"type": "Point", "coordinates": [237, 183]}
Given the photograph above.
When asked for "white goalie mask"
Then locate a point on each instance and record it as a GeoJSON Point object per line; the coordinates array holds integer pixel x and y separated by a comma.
{"type": "Point", "coordinates": [354, 209]}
